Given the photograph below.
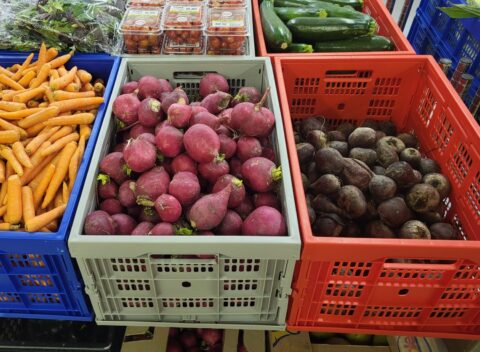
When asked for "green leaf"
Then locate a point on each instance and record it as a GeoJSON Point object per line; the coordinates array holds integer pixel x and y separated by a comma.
{"type": "Point", "coordinates": [461, 11]}
{"type": "Point", "coordinates": [103, 178]}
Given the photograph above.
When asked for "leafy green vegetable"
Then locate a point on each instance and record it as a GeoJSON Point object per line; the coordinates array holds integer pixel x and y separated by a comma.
{"type": "Point", "coordinates": [472, 10]}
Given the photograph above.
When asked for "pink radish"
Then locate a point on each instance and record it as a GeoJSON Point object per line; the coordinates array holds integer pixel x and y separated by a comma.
{"type": "Point", "coordinates": [183, 162]}
{"type": "Point", "coordinates": [162, 229]}
{"type": "Point", "coordinates": [99, 222]}
{"type": "Point", "coordinates": [209, 211]}
{"type": "Point", "coordinates": [142, 229]}
{"type": "Point", "coordinates": [179, 115]}
{"type": "Point", "coordinates": [268, 199]}
{"type": "Point", "coordinates": [150, 138]}
{"type": "Point", "coordinates": [247, 94]}
{"type": "Point", "coordinates": [260, 174]}
{"type": "Point", "coordinates": [140, 155]}
{"type": "Point", "coordinates": [134, 211]}
{"type": "Point", "coordinates": [245, 208]}
{"type": "Point", "coordinates": [168, 208]}
{"type": "Point", "coordinates": [126, 193]}
{"type": "Point", "coordinates": [111, 206]}
{"type": "Point", "coordinates": [206, 118]}
{"type": "Point", "coordinates": [114, 166]}
{"type": "Point", "coordinates": [213, 170]}
{"type": "Point", "coordinates": [211, 336]}
{"type": "Point", "coordinates": [149, 214]}
{"type": "Point", "coordinates": [211, 83]}
{"type": "Point", "coordinates": [165, 85]}
{"type": "Point", "coordinates": [125, 108]}
{"type": "Point", "coordinates": [129, 87]}
{"type": "Point", "coordinates": [228, 146]}
{"type": "Point", "coordinates": [231, 224]}
{"type": "Point", "coordinates": [119, 147]}
{"type": "Point", "coordinates": [138, 129]}
{"type": "Point", "coordinates": [197, 108]}
{"type": "Point", "coordinates": [149, 112]}
{"type": "Point", "coordinates": [149, 87]}
{"type": "Point", "coordinates": [248, 147]}
{"type": "Point", "coordinates": [236, 167]}
{"type": "Point", "coordinates": [223, 130]}
{"type": "Point", "coordinates": [161, 125]}
{"type": "Point", "coordinates": [269, 153]}
{"type": "Point", "coordinates": [176, 96]}
{"type": "Point", "coordinates": [216, 102]}
{"type": "Point", "coordinates": [185, 187]}
{"type": "Point", "coordinates": [253, 119]}
{"type": "Point", "coordinates": [151, 185]}
{"type": "Point", "coordinates": [106, 188]}
{"type": "Point", "coordinates": [264, 221]}
{"type": "Point", "coordinates": [238, 190]}
{"type": "Point", "coordinates": [169, 141]}
{"type": "Point", "coordinates": [125, 224]}
{"type": "Point", "coordinates": [201, 143]}
{"type": "Point", "coordinates": [225, 117]}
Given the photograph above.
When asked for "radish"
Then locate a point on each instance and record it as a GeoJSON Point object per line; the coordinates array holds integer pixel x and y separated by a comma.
{"type": "Point", "coordinates": [149, 214]}
{"type": "Point", "coordinates": [228, 146]}
{"type": "Point", "coordinates": [205, 233]}
{"type": "Point", "coordinates": [269, 199]}
{"type": "Point", "coordinates": [183, 162]}
{"type": "Point", "coordinates": [150, 138]}
{"type": "Point", "coordinates": [213, 170]}
{"type": "Point", "coordinates": [179, 115]}
{"type": "Point", "coordinates": [236, 167]}
{"type": "Point", "coordinates": [231, 224]}
{"type": "Point", "coordinates": [162, 229]}
{"type": "Point", "coordinates": [216, 102]}
{"type": "Point", "coordinates": [149, 87]}
{"type": "Point", "coordinates": [225, 117]}
{"type": "Point", "coordinates": [111, 206]}
{"type": "Point", "coordinates": [173, 332]}
{"type": "Point", "coordinates": [253, 119]}
{"type": "Point", "coordinates": [168, 208]}
{"type": "Point", "coordinates": [134, 211]}
{"type": "Point", "coordinates": [176, 96]}
{"type": "Point", "coordinates": [201, 143]}
{"type": "Point", "coordinates": [169, 140]}
{"type": "Point", "coordinates": [149, 112]}
{"type": "Point", "coordinates": [174, 346]}
{"type": "Point", "coordinates": [151, 185]}
{"type": "Point", "coordinates": [223, 130]}
{"type": "Point", "coordinates": [125, 108]}
{"type": "Point", "coordinates": [247, 94]}
{"type": "Point", "coordinates": [106, 188]}
{"type": "Point", "coordinates": [125, 224]}
{"type": "Point", "coordinates": [185, 187]}
{"type": "Point", "coordinates": [188, 339]}
{"type": "Point", "coordinates": [245, 208]}
{"type": "Point", "coordinates": [211, 83]}
{"type": "Point", "coordinates": [114, 166]}
{"type": "Point", "coordinates": [209, 211]}
{"type": "Point", "coordinates": [166, 86]}
{"type": "Point", "coordinates": [99, 222]}
{"type": "Point", "coordinates": [140, 155]}
{"type": "Point", "coordinates": [142, 229]}
{"type": "Point", "coordinates": [264, 221]}
{"type": "Point", "coordinates": [238, 190]}
{"type": "Point", "coordinates": [138, 129]}
{"type": "Point", "coordinates": [248, 147]}
{"type": "Point", "coordinates": [161, 125]}
{"type": "Point", "coordinates": [119, 147]}
{"type": "Point", "coordinates": [269, 153]}
{"type": "Point", "coordinates": [206, 118]}
{"type": "Point", "coordinates": [126, 193]}
{"type": "Point", "coordinates": [129, 87]}
{"type": "Point", "coordinates": [211, 336]}
{"type": "Point", "coordinates": [197, 108]}
{"type": "Point", "coordinates": [260, 174]}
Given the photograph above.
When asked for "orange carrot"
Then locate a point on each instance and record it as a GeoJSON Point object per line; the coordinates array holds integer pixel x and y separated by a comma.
{"type": "Point", "coordinates": [43, 185]}
{"type": "Point", "coordinates": [62, 71]}
{"type": "Point", "coordinates": [33, 104]}
{"type": "Point", "coordinates": [9, 137]}
{"type": "Point", "coordinates": [39, 117]}
{"type": "Point", "coordinates": [25, 80]}
{"type": "Point", "coordinates": [73, 168]}
{"type": "Point", "coordinates": [72, 88]}
{"type": "Point", "coordinates": [34, 130]}
{"type": "Point", "coordinates": [28, 95]}
{"type": "Point", "coordinates": [77, 119]}
{"type": "Point", "coordinates": [30, 174]}
{"type": "Point", "coordinates": [85, 131]}
{"type": "Point", "coordinates": [65, 80]}
{"type": "Point", "coordinates": [2, 171]}
{"type": "Point", "coordinates": [41, 76]}
{"type": "Point", "coordinates": [9, 170]}
{"type": "Point", "coordinates": [87, 87]}
{"type": "Point", "coordinates": [61, 60]}
{"type": "Point", "coordinates": [52, 53]}
{"type": "Point", "coordinates": [77, 104]}
{"type": "Point", "coordinates": [64, 95]}
{"type": "Point", "coordinates": [8, 126]}
{"type": "Point", "coordinates": [28, 210]}
{"type": "Point", "coordinates": [7, 154]}
{"type": "Point", "coordinates": [3, 210]}
{"type": "Point", "coordinates": [62, 132]}
{"type": "Point", "coordinates": [6, 72]}
{"type": "Point", "coordinates": [4, 79]}
{"type": "Point", "coordinates": [22, 68]}
{"type": "Point", "coordinates": [11, 106]}
{"type": "Point", "coordinates": [5, 226]}
{"type": "Point", "coordinates": [81, 149]}
{"type": "Point", "coordinates": [59, 144]}
{"type": "Point", "coordinates": [49, 95]}
{"type": "Point", "coordinates": [65, 192]}
{"type": "Point", "coordinates": [14, 200]}
{"type": "Point", "coordinates": [21, 155]}
{"type": "Point", "coordinates": [36, 142]}
{"type": "Point", "coordinates": [53, 75]}
{"type": "Point", "coordinates": [42, 56]}
{"type": "Point", "coordinates": [44, 219]}
{"type": "Point", "coordinates": [84, 76]}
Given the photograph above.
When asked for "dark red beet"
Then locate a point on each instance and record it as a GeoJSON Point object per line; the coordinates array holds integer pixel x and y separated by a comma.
{"type": "Point", "coordinates": [213, 170]}
{"type": "Point", "coordinates": [125, 108]}
{"type": "Point", "coordinates": [228, 146]}
{"type": "Point", "coordinates": [231, 224]}
{"type": "Point", "coordinates": [209, 211]}
{"type": "Point", "coordinates": [107, 190]}
{"type": "Point", "coordinates": [248, 147]}
{"type": "Point", "coordinates": [168, 208]}
{"type": "Point", "coordinates": [264, 221]}
{"type": "Point", "coordinates": [205, 118]}
{"type": "Point", "coordinates": [260, 174]}
{"type": "Point", "coordinates": [162, 229]}
{"type": "Point", "coordinates": [138, 129]}
{"type": "Point", "coordinates": [185, 187]}
{"type": "Point", "coordinates": [149, 86]}
{"type": "Point", "coordinates": [201, 143]}
{"type": "Point", "coordinates": [149, 112]}
{"type": "Point", "coordinates": [139, 155]}
{"type": "Point", "coordinates": [151, 185]}
{"type": "Point", "coordinates": [238, 189]}
{"type": "Point", "coordinates": [113, 165]}
{"type": "Point", "coordinates": [268, 199]}
{"type": "Point", "coordinates": [129, 87]}
{"type": "Point", "coordinates": [99, 222]}
{"type": "Point", "coordinates": [245, 208]}
{"type": "Point", "coordinates": [183, 162]}
{"type": "Point", "coordinates": [211, 83]}
{"type": "Point", "coordinates": [169, 141]}
{"type": "Point", "coordinates": [111, 206]}
{"type": "Point", "coordinates": [124, 224]}
{"type": "Point", "coordinates": [236, 167]}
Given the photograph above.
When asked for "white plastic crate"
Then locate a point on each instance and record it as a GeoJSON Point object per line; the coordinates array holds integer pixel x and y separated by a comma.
{"type": "Point", "coordinates": [247, 281]}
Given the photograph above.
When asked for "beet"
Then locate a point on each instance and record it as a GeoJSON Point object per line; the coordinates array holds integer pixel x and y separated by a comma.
{"type": "Point", "coordinates": [386, 155]}
{"type": "Point", "coordinates": [415, 230]}
{"type": "Point", "coordinates": [149, 87]}
{"type": "Point", "coordinates": [326, 184]}
{"type": "Point", "coordinates": [388, 127]}
{"type": "Point", "coordinates": [401, 172]}
{"type": "Point", "coordinates": [442, 231]}
{"type": "Point", "coordinates": [346, 128]}
{"type": "Point", "coordinates": [392, 142]}
{"type": "Point", "coordinates": [408, 139]}
{"type": "Point", "coordinates": [185, 187]}
{"type": "Point", "coordinates": [231, 224]}
{"type": "Point", "coordinates": [329, 225]}
{"type": "Point", "coordinates": [169, 141]}
{"type": "Point", "coordinates": [211, 83]}
{"type": "Point", "coordinates": [125, 108]}
{"type": "Point", "coordinates": [411, 156]}
{"type": "Point", "coordinates": [378, 170]}
{"type": "Point", "coordinates": [260, 174]}
{"type": "Point", "coordinates": [216, 102]}
{"type": "Point", "coordinates": [305, 153]}
{"type": "Point", "coordinates": [126, 193]}
{"type": "Point", "coordinates": [363, 137]}
{"type": "Point", "coordinates": [124, 224]}
{"type": "Point", "coordinates": [323, 204]}
{"type": "Point", "coordinates": [114, 165]}
{"type": "Point", "coordinates": [111, 206]}
{"type": "Point", "coordinates": [423, 198]}
{"type": "Point", "coordinates": [228, 147]}
{"type": "Point", "coordinates": [342, 147]}
{"type": "Point", "coordinates": [428, 166]}
{"type": "Point", "coordinates": [106, 189]}
{"type": "Point", "coordinates": [183, 162]}
{"type": "Point", "coordinates": [201, 143]}
{"type": "Point", "coordinates": [168, 208]}
{"type": "Point", "coordinates": [351, 229]}
{"type": "Point", "coordinates": [129, 87]}
{"type": "Point", "coordinates": [317, 138]}
{"type": "Point", "coordinates": [373, 124]}
{"type": "Point", "coordinates": [176, 96]}
{"type": "Point", "coordinates": [264, 221]}
{"type": "Point", "coordinates": [247, 94]}
{"type": "Point", "coordinates": [394, 212]}
{"type": "Point", "coordinates": [99, 222]}
{"type": "Point", "coordinates": [266, 199]}
{"type": "Point", "coordinates": [356, 173]}
{"type": "Point", "coordinates": [377, 229]}
{"type": "Point", "coordinates": [149, 112]}
{"type": "Point", "coordinates": [209, 211]}
{"type": "Point", "coordinates": [205, 118]}
{"type": "Point", "coordinates": [151, 185]}
{"type": "Point", "coordinates": [139, 129]}
{"type": "Point", "coordinates": [238, 190]}
{"type": "Point", "coordinates": [310, 124]}
{"type": "Point", "coordinates": [140, 155]}
{"type": "Point", "coordinates": [179, 115]}
{"type": "Point", "coordinates": [236, 167]}
{"type": "Point", "coordinates": [440, 182]}
{"type": "Point", "coordinates": [253, 120]}
{"type": "Point", "coordinates": [249, 147]}
{"type": "Point", "coordinates": [379, 135]}
{"type": "Point", "coordinates": [382, 188]}
{"type": "Point", "coordinates": [368, 156]}
{"type": "Point", "coordinates": [352, 201]}
{"type": "Point", "coordinates": [329, 161]}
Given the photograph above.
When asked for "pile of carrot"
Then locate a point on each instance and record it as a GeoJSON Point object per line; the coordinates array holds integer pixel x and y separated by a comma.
{"type": "Point", "coordinates": [46, 113]}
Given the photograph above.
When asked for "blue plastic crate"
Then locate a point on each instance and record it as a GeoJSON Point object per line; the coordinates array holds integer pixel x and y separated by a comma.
{"type": "Point", "coordinates": [38, 278]}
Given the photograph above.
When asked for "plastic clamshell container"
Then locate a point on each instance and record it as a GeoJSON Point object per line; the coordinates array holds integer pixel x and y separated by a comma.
{"type": "Point", "coordinates": [226, 31]}
{"type": "Point", "coordinates": [375, 8]}
{"type": "Point", "coordinates": [145, 3]}
{"type": "Point", "coordinates": [171, 47]}
{"type": "Point", "coordinates": [239, 284]}
{"type": "Point", "coordinates": [357, 285]}
{"type": "Point", "coordinates": [141, 31]}
{"type": "Point", "coordinates": [183, 23]}
{"type": "Point", "coordinates": [227, 3]}
{"type": "Point", "coordinates": [38, 279]}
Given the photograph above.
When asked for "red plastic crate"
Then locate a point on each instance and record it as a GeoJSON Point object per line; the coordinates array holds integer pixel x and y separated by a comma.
{"type": "Point", "coordinates": [375, 8]}
{"type": "Point", "coordinates": [351, 284]}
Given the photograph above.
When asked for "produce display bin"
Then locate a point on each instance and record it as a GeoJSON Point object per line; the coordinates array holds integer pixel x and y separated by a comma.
{"type": "Point", "coordinates": [375, 8]}
{"type": "Point", "coordinates": [37, 276]}
{"type": "Point", "coordinates": [247, 281]}
{"type": "Point", "coordinates": [357, 284]}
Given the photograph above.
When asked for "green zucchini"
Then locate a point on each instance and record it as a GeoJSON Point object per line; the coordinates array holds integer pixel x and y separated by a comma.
{"type": "Point", "coordinates": [365, 43]}
{"type": "Point", "coordinates": [287, 13]}
{"type": "Point", "coordinates": [333, 10]}
{"type": "Point", "coordinates": [356, 4]}
{"type": "Point", "coordinates": [277, 34]}
{"type": "Point", "coordinates": [300, 48]}
{"type": "Point", "coordinates": [311, 29]}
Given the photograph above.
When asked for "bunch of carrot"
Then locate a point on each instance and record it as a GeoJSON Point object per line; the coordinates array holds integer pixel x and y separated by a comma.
{"type": "Point", "coordinates": [46, 112]}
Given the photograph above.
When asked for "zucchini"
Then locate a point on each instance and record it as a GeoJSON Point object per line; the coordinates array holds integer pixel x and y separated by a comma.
{"type": "Point", "coordinates": [311, 29]}
{"type": "Point", "coordinates": [287, 13]}
{"type": "Point", "coordinates": [300, 48]}
{"type": "Point", "coordinates": [356, 4]}
{"type": "Point", "coordinates": [365, 43]}
{"type": "Point", "coordinates": [333, 10]}
{"type": "Point", "coordinates": [277, 34]}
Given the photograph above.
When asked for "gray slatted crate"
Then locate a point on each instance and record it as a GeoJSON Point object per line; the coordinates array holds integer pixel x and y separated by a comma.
{"type": "Point", "coordinates": [244, 283]}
